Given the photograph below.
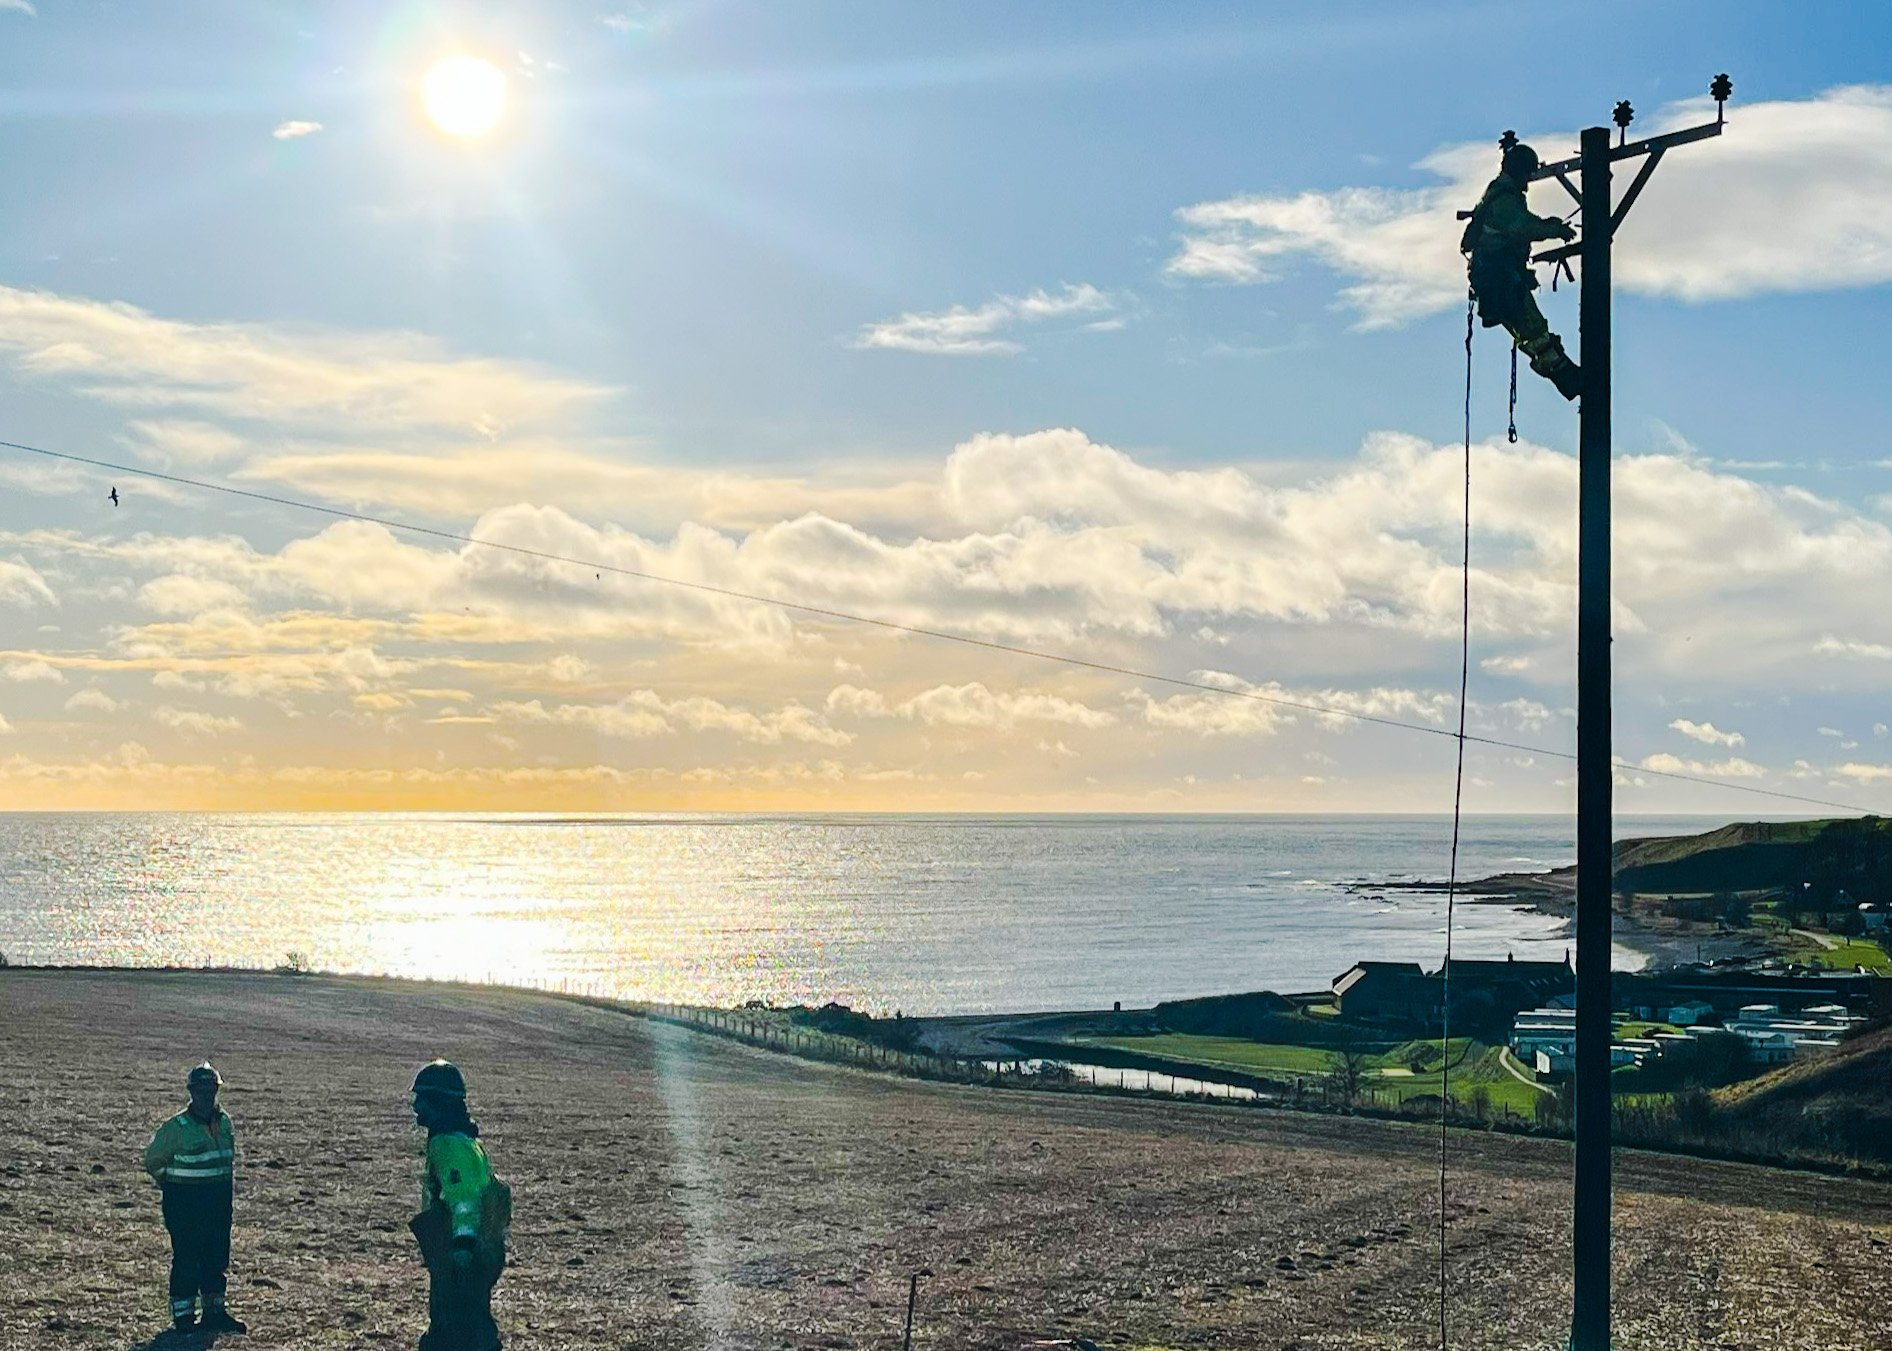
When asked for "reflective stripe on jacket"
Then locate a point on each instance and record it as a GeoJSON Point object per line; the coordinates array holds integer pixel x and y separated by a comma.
{"type": "Point", "coordinates": [188, 1152]}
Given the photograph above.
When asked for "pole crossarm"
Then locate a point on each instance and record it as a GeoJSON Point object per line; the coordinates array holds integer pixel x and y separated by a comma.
{"type": "Point", "coordinates": [1648, 145]}
{"type": "Point", "coordinates": [1652, 146]}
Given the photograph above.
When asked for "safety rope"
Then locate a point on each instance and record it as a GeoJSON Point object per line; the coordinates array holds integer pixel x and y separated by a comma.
{"type": "Point", "coordinates": [1458, 801]}
{"type": "Point", "coordinates": [1512, 434]}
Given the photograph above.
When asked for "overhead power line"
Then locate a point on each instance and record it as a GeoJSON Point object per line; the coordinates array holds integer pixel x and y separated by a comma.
{"type": "Point", "coordinates": [916, 630]}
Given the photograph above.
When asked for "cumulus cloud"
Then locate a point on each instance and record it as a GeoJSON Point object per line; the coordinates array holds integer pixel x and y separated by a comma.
{"type": "Point", "coordinates": [21, 584]}
{"type": "Point", "coordinates": [181, 594]}
{"type": "Point", "coordinates": [21, 672]}
{"type": "Point", "coordinates": [295, 128]}
{"type": "Point", "coordinates": [1817, 171]}
{"type": "Point", "coordinates": [1270, 706]}
{"type": "Point", "coordinates": [396, 382]}
{"type": "Point", "coordinates": [981, 331]}
{"type": "Point", "coordinates": [93, 699]}
{"type": "Point", "coordinates": [1864, 773]}
{"type": "Point", "coordinates": [1734, 767]}
{"type": "Point", "coordinates": [1830, 646]}
{"type": "Point", "coordinates": [1054, 538]}
{"type": "Point", "coordinates": [645, 713]}
{"type": "Point", "coordinates": [1707, 733]}
{"type": "Point", "coordinates": [969, 705]}
{"type": "Point", "coordinates": [194, 722]}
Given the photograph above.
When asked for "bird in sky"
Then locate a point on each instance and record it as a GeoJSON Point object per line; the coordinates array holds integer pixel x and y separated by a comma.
{"type": "Point", "coordinates": [114, 494]}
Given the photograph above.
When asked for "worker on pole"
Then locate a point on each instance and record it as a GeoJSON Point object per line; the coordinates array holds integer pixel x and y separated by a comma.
{"type": "Point", "coordinates": [192, 1158]}
{"type": "Point", "coordinates": [464, 1215]}
{"type": "Point", "coordinates": [1498, 241]}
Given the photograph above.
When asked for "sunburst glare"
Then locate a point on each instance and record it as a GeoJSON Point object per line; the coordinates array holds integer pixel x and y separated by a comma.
{"type": "Point", "coordinates": [464, 95]}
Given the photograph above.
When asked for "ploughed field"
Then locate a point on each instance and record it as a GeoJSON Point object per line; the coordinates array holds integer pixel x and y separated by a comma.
{"type": "Point", "coordinates": [674, 1190]}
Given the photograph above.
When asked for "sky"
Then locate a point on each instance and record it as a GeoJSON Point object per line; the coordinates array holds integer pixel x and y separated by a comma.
{"type": "Point", "coordinates": [1125, 333]}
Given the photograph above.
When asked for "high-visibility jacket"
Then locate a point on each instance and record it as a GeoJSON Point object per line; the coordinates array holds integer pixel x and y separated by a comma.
{"type": "Point", "coordinates": [1502, 228]}
{"type": "Point", "coordinates": [191, 1153]}
{"type": "Point", "coordinates": [457, 1177]}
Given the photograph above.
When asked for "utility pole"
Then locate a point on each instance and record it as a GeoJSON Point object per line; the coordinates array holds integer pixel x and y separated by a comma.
{"type": "Point", "coordinates": [1590, 1314]}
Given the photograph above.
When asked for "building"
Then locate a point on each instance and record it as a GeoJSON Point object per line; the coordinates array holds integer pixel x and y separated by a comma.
{"type": "Point", "coordinates": [1726, 989]}
{"type": "Point", "coordinates": [1492, 993]}
{"type": "Point", "coordinates": [1874, 917]}
{"type": "Point", "coordinates": [1387, 992]}
{"type": "Point", "coordinates": [1536, 1030]}
{"type": "Point", "coordinates": [1688, 1013]}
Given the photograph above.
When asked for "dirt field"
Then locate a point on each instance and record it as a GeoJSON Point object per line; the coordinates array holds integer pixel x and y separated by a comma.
{"type": "Point", "coordinates": [675, 1191]}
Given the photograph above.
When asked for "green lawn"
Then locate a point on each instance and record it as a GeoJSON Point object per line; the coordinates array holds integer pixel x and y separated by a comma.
{"type": "Point", "coordinates": [1475, 1065]}
{"type": "Point", "coordinates": [1234, 1053]}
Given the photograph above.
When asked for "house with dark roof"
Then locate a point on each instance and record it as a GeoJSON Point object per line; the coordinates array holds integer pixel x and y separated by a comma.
{"type": "Point", "coordinates": [1487, 992]}
{"type": "Point", "coordinates": [1386, 992]}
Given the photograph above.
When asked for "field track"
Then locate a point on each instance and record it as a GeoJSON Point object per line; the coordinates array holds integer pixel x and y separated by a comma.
{"type": "Point", "coordinates": [674, 1190]}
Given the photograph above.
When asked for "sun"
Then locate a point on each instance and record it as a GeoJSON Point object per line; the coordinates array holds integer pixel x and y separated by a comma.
{"type": "Point", "coordinates": [464, 95]}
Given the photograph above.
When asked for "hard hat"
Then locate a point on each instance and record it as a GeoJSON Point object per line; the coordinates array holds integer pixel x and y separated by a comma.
{"type": "Point", "coordinates": [205, 1073]}
{"type": "Point", "coordinates": [440, 1076]}
{"type": "Point", "coordinates": [1520, 161]}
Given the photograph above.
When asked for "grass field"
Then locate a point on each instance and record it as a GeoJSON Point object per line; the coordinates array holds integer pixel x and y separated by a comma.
{"type": "Point", "coordinates": [1798, 947]}
{"type": "Point", "coordinates": [1389, 1076]}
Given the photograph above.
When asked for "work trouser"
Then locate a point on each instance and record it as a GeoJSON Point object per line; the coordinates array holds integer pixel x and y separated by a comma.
{"type": "Point", "coordinates": [459, 1295]}
{"type": "Point", "coordinates": [198, 1220]}
{"type": "Point", "coordinates": [1504, 298]}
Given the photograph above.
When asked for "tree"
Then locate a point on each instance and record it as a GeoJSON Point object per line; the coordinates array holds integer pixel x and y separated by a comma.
{"type": "Point", "coordinates": [1350, 1073]}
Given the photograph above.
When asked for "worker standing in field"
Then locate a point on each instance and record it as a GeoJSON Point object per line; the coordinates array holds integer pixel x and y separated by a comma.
{"type": "Point", "coordinates": [464, 1215]}
{"type": "Point", "coordinates": [192, 1158]}
{"type": "Point", "coordinates": [1497, 243]}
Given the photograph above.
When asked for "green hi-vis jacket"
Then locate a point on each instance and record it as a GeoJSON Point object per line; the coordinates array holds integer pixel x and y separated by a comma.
{"type": "Point", "coordinates": [1502, 227]}
{"type": "Point", "coordinates": [190, 1153]}
{"type": "Point", "coordinates": [458, 1174]}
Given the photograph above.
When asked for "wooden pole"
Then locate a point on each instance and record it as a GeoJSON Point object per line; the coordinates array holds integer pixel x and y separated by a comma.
{"type": "Point", "coordinates": [1590, 1319]}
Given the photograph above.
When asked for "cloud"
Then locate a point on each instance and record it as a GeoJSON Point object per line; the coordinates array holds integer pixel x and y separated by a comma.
{"type": "Point", "coordinates": [1733, 767]}
{"type": "Point", "coordinates": [1864, 773]}
{"type": "Point", "coordinates": [21, 584]}
{"type": "Point", "coordinates": [1707, 733]}
{"type": "Point", "coordinates": [94, 699]}
{"type": "Point", "coordinates": [22, 672]}
{"type": "Point", "coordinates": [179, 594]}
{"type": "Point", "coordinates": [969, 705]}
{"type": "Point", "coordinates": [18, 7]}
{"type": "Point", "coordinates": [195, 722]}
{"type": "Point", "coordinates": [645, 713]}
{"type": "Point", "coordinates": [394, 382]}
{"type": "Point", "coordinates": [960, 331]}
{"type": "Point", "coordinates": [1835, 647]}
{"type": "Point", "coordinates": [291, 130]}
{"type": "Point", "coordinates": [1209, 714]}
{"type": "Point", "coordinates": [1818, 171]}
{"type": "Point", "coordinates": [180, 441]}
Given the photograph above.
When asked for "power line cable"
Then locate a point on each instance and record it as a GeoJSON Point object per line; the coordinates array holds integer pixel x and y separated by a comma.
{"type": "Point", "coordinates": [1458, 803]}
{"type": "Point", "coordinates": [919, 631]}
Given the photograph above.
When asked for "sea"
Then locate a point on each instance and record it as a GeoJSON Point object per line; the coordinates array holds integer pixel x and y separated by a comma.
{"type": "Point", "coordinates": [926, 914]}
